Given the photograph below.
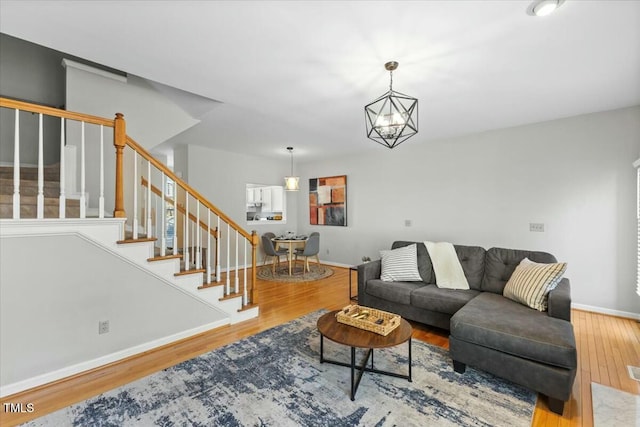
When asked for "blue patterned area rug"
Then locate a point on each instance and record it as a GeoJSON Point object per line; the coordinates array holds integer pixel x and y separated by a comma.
{"type": "Point", "coordinates": [275, 378]}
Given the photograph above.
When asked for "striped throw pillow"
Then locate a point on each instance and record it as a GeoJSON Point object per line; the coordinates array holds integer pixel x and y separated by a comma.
{"type": "Point", "coordinates": [531, 283]}
{"type": "Point", "coordinates": [400, 265]}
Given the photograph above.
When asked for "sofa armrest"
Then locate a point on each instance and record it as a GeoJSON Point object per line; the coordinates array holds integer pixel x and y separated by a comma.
{"type": "Point", "coordinates": [560, 301]}
{"type": "Point", "coordinates": [367, 271]}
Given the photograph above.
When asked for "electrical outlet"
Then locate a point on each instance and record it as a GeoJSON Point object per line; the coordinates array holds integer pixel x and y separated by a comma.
{"type": "Point", "coordinates": [407, 223]}
{"type": "Point", "coordinates": [327, 251]}
{"type": "Point", "coordinates": [536, 227]}
{"type": "Point", "coordinates": [103, 327]}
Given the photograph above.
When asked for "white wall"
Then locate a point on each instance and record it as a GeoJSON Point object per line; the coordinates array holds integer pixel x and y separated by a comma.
{"type": "Point", "coordinates": [151, 117]}
{"type": "Point", "coordinates": [575, 175]}
{"type": "Point", "coordinates": [49, 312]}
{"type": "Point", "coordinates": [221, 177]}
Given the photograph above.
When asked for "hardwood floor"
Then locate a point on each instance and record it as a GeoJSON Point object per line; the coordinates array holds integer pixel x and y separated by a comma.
{"type": "Point", "coordinates": [606, 345]}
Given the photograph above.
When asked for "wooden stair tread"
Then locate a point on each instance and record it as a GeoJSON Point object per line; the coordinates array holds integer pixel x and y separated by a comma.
{"type": "Point", "coordinates": [248, 307]}
{"type": "Point", "coordinates": [161, 258]}
{"type": "Point", "coordinates": [186, 272]}
{"type": "Point", "coordinates": [232, 295]}
{"type": "Point", "coordinates": [138, 240]}
{"type": "Point", "coordinates": [210, 285]}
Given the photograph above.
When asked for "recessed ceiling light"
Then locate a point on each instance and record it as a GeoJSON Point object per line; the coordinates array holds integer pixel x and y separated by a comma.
{"type": "Point", "coordinates": [543, 7]}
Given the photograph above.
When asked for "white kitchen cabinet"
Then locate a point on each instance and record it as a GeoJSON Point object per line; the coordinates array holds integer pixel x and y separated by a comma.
{"type": "Point", "coordinates": [277, 199]}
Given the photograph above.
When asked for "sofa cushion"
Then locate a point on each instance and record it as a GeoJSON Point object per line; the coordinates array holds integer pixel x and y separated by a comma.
{"type": "Point", "coordinates": [472, 259]}
{"type": "Point", "coordinates": [399, 292]}
{"type": "Point", "coordinates": [495, 322]}
{"type": "Point", "coordinates": [531, 282]}
{"type": "Point", "coordinates": [500, 264]}
{"type": "Point", "coordinates": [431, 297]}
{"type": "Point", "coordinates": [400, 264]}
{"type": "Point", "coordinates": [425, 268]}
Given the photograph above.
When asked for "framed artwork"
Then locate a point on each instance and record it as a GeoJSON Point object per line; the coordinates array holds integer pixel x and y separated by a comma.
{"type": "Point", "coordinates": [328, 200]}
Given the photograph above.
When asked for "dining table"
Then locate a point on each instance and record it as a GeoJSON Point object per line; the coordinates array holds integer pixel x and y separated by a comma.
{"type": "Point", "coordinates": [291, 241]}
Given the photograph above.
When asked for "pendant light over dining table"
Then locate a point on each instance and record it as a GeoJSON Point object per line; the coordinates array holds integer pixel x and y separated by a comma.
{"type": "Point", "coordinates": [291, 182]}
{"type": "Point", "coordinates": [393, 117]}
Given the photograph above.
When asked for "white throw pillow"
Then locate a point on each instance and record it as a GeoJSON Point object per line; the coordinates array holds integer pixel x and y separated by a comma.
{"type": "Point", "coordinates": [531, 283]}
{"type": "Point", "coordinates": [400, 265]}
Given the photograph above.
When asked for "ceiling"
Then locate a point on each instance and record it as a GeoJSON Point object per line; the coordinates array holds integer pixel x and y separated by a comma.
{"type": "Point", "coordinates": [299, 73]}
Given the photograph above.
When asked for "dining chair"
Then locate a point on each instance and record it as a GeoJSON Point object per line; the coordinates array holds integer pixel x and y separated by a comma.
{"type": "Point", "coordinates": [271, 251]}
{"type": "Point", "coordinates": [311, 249]}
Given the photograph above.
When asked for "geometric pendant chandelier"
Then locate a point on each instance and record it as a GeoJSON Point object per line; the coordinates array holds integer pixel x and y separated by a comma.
{"type": "Point", "coordinates": [393, 117]}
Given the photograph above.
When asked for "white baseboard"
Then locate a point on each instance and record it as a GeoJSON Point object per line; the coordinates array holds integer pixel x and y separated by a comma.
{"type": "Point", "coordinates": [608, 311]}
{"type": "Point", "coordinates": [104, 360]}
{"type": "Point", "coordinates": [336, 264]}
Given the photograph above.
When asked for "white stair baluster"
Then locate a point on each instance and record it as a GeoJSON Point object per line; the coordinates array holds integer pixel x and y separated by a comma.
{"type": "Point", "coordinates": [185, 249]}
{"type": "Point", "coordinates": [149, 222]}
{"type": "Point", "coordinates": [228, 281]}
{"type": "Point", "coordinates": [163, 224]}
{"type": "Point", "coordinates": [135, 194]}
{"type": "Point", "coordinates": [198, 237]}
{"type": "Point", "coordinates": [40, 197]}
{"type": "Point", "coordinates": [244, 281]}
{"type": "Point", "coordinates": [209, 245]}
{"type": "Point", "coordinates": [218, 269]}
{"type": "Point", "coordinates": [174, 239]}
{"type": "Point", "coordinates": [236, 277]}
{"type": "Point", "coordinates": [101, 197]}
{"type": "Point", "coordinates": [83, 207]}
{"type": "Point", "coordinates": [16, 167]}
{"type": "Point", "coordinates": [63, 196]}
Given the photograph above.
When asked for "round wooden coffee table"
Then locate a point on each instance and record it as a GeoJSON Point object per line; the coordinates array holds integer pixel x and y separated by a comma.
{"type": "Point", "coordinates": [353, 337]}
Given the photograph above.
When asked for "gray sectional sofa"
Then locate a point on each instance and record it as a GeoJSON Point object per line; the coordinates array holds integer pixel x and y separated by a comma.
{"type": "Point", "coordinates": [487, 331]}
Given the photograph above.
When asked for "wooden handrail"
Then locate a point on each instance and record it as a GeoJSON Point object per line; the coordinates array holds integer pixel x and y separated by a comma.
{"type": "Point", "coordinates": [137, 147]}
{"type": "Point", "coordinates": [180, 207]}
{"type": "Point", "coordinates": [50, 111]}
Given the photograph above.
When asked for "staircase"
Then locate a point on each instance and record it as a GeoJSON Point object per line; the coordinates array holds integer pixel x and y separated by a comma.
{"type": "Point", "coordinates": [29, 193]}
{"type": "Point", "coordinates": [92, 266]}
{"type": "Point", "coordinates": [170, 269]}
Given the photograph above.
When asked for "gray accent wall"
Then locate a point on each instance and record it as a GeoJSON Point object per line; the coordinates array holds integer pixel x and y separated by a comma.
{"type": "Point", "coordinates": [32, 73]}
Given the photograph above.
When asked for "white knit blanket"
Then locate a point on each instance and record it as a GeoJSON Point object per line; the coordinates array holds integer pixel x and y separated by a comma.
{"type": "Point", "coordinates": [446, 265]}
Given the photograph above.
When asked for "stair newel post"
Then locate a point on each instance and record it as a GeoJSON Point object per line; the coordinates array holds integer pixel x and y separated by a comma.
{"type": "Point", "coordinates": [119, 141]}
{"type": "Point", "coordinates": [254, 255]}
{"type": "Point", "coordinates": [40, 197]}
{"type": "Point", "coordinates": [16, 167]}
